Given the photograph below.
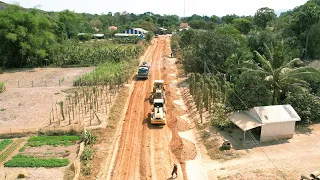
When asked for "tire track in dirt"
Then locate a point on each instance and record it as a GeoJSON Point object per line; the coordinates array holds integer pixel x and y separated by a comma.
{"type": "Point", "coordinates": [147, 152]}
{"type": "Point", "coordinates": [125, 165]}
{"type": "Point", "coordinates": [145, 149]}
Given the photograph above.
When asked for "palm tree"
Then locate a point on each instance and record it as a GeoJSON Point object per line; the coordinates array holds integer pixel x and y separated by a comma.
{"type": "Point", "coordinates": [280, 71]}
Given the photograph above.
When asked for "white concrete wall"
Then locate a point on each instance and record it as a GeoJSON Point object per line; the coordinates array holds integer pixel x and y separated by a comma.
{"type": "Point", "coordinates": [272, 131]}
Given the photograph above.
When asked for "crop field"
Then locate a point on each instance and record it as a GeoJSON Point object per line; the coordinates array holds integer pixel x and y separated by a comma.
{"type": "Point", "coordinates": [4, 143]}
{"type": "Point", "coordinates": [12, 147]}
{"type": "Point", "coordinates": [52, 140]}
{"type": "Point", "coordinates": [43, 151]}
{"type": "Point", "coordinates": [31, 161]}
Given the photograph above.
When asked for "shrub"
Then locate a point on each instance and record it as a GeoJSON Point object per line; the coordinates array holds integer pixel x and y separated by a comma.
{"type": "Point", "coordinates": [88, 138]}
{"type": "Point", "coordinates": [85, 37]}
{"type": "Point", "coordinates": [306, 105]}
{"type": "Point", "coordinates": [87, 154]}
{"type": "Point", "coordinates": [21, 176]}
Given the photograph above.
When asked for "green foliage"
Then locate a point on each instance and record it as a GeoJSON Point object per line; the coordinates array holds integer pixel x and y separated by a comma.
{"type": "Point", "coordinates": [28, 35]}
{"type": "Point", "coordinates": [198, 24]}
{"type": "Point", "coordinates": [214, 47]}
{"type": "Point", "coordinates": [250, 90]}
{"type": "Point", "coordinates": [108, 73]}
{"type": "Point", "coordinates": [229, 18]}
{"type": "Point", "coordinates": [149, 36]}
{"type": "Point", "coordinates": [85, 36]}
{"type": "Point", "coordinates": [126, 40]}
{"type": "Point", "coordinates": [36, 141]}
{"type": "Point", "coordinates": [22, 149]}
{"type": "Point", "coordinates": [243, 25]}
{"type": "Point", "coordinates": [88, 138]}
{"type": "Point", "coordinates": [219, 116]}
{"type": "Point", "coordinates": [4, 143]}
{"type": "Point", "coordinates": [264, 16]}
{"type": "Point", "coordinates": [279, 70]}
{"type": "Point", "coordinates": [70, 54]}
{"type": "Point", "coordinates": [12, 147]}
{"type": "Point", "coordinates": [306, 105]}
{"type": "Point", "coordinates": [31, 161]}
{"type": "Point", "coordinates": [87, 154]}
{"type": "Point", "coordinates": [2, 86]}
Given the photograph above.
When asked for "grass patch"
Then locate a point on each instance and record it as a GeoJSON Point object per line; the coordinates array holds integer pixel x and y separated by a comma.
{"type": "Point", "coordinates": [2, 86]}
{"type": "Point", "coordinates": [4, 143]}
{"type": "Point", "coordinates": [36, 141]}
{"type": "Point", "coordinates": [115, 72]}
{"type": "Point", "coordinates": [31, 161]}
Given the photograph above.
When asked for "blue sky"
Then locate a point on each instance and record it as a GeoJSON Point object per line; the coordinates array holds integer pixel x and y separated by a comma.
{"type": "Point", "coordinates": [200, 7]}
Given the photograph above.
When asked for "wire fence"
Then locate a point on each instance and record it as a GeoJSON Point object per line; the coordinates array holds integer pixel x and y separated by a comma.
{"type": "Point", "coordinates": [37, 83]}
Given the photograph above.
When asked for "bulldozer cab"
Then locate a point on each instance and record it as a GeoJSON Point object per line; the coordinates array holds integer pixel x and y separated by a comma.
{"type": "Point", "coordinates": [158, 84]}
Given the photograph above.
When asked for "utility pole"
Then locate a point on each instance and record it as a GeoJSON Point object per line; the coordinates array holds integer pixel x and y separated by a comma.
{"type": "Point", "coordinates": [184, 9]}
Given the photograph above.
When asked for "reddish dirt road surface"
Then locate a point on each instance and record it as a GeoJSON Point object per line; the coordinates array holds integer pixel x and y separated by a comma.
{"type": "Point", "coordinates": [148, 151]}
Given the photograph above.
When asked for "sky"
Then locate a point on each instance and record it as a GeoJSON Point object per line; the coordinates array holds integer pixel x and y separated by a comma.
{"type": "Point", "coordinates": [169, 7]}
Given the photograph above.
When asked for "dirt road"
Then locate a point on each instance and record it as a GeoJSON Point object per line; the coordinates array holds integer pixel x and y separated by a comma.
{"type": "Point", "coordinates": [147, 151]}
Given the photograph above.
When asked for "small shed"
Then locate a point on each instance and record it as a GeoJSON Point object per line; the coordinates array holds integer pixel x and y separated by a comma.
{"type": "Point", "coordinates": [276, 122]}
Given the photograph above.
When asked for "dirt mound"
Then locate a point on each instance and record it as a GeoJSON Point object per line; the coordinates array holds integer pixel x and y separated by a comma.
{"type": "Point", "coordinates": [189, 150]}
{"type": "Point", "coordinates": [183, 149]}
{"type": "Point", "coordinates": [181, 124]}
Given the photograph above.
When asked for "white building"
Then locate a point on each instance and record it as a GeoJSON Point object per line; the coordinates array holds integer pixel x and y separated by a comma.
{"type": "Point", "coordinates": [276, 122]}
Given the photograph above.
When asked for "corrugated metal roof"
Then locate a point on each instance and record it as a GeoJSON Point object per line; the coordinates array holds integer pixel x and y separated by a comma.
{"type": "Point", "coordinates": [258, 116]}
{"type": "Point", "coordinates": [244, 120]}
{"type": "Point", "coordinates": [276, 113]}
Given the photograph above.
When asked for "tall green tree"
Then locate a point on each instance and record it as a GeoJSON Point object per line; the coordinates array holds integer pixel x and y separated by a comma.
{"type": "Point", "coordinates": [25, 37]}
{"type": "Point", "coordinates": [263, 16]}
{"type": "Point", "coordinates": [243, 25]}
{"type": "Point", "coordinates": [306, 18]}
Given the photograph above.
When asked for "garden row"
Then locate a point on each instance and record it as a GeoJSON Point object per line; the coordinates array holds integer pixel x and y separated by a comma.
{"type": "Point", "coordinates": [26, 158]}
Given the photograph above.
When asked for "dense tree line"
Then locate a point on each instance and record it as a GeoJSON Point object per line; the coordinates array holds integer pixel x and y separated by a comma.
{"type": "Point", "coordinates": [260, 60]}
{"type": "Point", "coordinates": [32, 37]}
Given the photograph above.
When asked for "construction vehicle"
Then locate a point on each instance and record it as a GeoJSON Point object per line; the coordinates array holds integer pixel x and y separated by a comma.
{"type": "Point", "coordinates": [158, 91]}
{"type": "Point", "coordinates": [143, 71]}
{"type": "Point", "coordinates": [158, 114]}
{"type": "Point", "coordinates": [158, 84]}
